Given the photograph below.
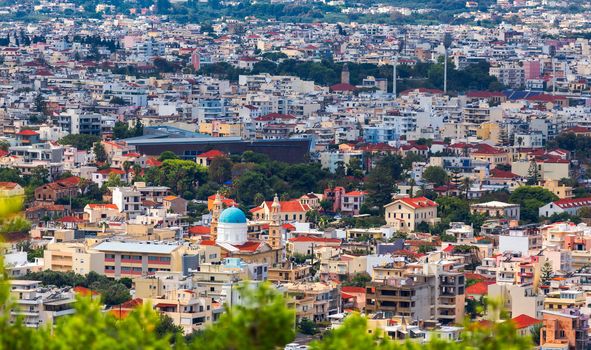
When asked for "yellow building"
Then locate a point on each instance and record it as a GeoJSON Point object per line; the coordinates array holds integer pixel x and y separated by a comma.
{"type": "Point", "coordinates": [550, 169]}
{"type": "Point", "coordinates": [220, 129]}
{"type": "Point", "coordinates": [290, 211]}
{"type": "Point", "coordinates": [187, 308]}
{"type": "Point", "coordinates": [561, 191]}
{"type": "Point", "coordinates": [564, 299]}
{"type": "Point", "coordinates": [134, 259]}
{"type": "Point", "coordinates": [404, 214]}
{"type": "Point", "coordinates": [76, 257]}
{"type": "Point", "coordinates": [491, 155]}
{"type": "Point", "coordinates": [344, 266]}
{"type": "Point", "coordinates": [283, 274]}
{"type": "Point", "coordinates": [11, 189]}
{"type": "Point", "coordinates": [489, 131]}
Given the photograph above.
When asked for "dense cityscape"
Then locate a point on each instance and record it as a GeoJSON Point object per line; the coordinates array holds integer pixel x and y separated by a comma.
{"type": "Point", "coordinates": [295, 174]}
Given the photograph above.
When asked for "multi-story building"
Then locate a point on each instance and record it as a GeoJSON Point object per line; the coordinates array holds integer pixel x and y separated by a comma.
{"type": "Point", "coordinates": [564, 299]}
{"type": "Point", "coordinates": [135, 259]}
{"type": "Point", "coordinates": [127, 200]}
{"type": "Point", "coordinates": [496, 209]}
{"type": "Point", "coordinates": [189, 309]}
{"type": "Point", "coordinates": [73, 256]}
{"type": "Point", "coordinates": [509, 74]}
{"type": "Point", "coordinates": [315, 301]}
{"type": "Point", "coordinates": [410, 296]}
{"type": "Point", "coordinates": [39, 306]}
{"type": "Point", "coordinates": [79, 122]}
{"type": "Point", "coordinates": [404, 214]}
{"type": "Point", "coordinates": [566, 330]}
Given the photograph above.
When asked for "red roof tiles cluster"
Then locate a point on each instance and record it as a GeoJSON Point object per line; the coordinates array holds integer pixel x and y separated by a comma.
{"type": "Point", "coordinates": [573, 202]}
{"type": "Point", "coordinates": [418, 202]}
{"type": "Point", "coordinates": [211, 154]}
{"type": "Point", "coordinates": [524, 321]}
{"type": "Point", "coordinates": [314, 239]}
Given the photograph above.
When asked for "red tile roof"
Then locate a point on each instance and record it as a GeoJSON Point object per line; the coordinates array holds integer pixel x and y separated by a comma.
{"type": "Point", "coordinates": [343, 87]}
{"type": "Point", "coordinates": [578, 129]}
{"type": "Point", "coordinates": [479, 288]}
{"type": "Point", "coordinates": [314, 239]}
{"type": "Point", "coordinates": [248, 246]}
{"type": "Point", "coordinates": [111, 171]}
{"type": "Point", "coordinates": [483, 148]}
{"type": "Point", "coordinates": [102, 206]}
{"type": "Point", "coordinates": [8, 185]}
{"type": "Point", "coordinates": [212, 154]}
{"type": "Point", "coordinates": [70, 219]}
{"type": "Point", "coordinates": [286, 206]}
{"type": "Point", "coordinates": [350, 289]}
{"type": "Point", "coordinates": [502, 174]}
{"type": "Point", "coordinates": [85, 292]}
{"type": "Point", "coordinates": [356, 193]}
{"type": "Point", "coordinates": [573, 202]}
{"type": "Point", "coordinates": [418, 202]}
{"type": "Point", "coordinates": [199, 230]}
{"type": "Point", "coordinates": [27, 132]}
{"type": "Point", "coordinates": [524, 321]}
{"type": "Point", "coordinates": [153, 162]}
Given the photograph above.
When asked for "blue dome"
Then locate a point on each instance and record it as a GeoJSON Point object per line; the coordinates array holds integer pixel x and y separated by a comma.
{"type": "Point", "coordinates": [232, 215]}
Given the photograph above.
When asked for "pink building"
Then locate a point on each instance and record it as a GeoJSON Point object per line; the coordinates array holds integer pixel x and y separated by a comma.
{"type": "Point", "coordinates": [196, 60]}
{"type": "Point", "coordinates": [532, 69]}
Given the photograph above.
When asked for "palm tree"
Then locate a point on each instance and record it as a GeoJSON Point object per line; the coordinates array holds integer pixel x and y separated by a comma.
{"type": "Point", "coordinates": [126, 167]}
{"type": "Point", "coordinates": [466, 184]}
{"type": "Point", "coordinates": [412, 184]}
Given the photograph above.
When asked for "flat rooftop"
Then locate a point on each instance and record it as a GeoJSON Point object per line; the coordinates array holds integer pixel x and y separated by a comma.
{"type": "Point", "coordinates": [136, 247]}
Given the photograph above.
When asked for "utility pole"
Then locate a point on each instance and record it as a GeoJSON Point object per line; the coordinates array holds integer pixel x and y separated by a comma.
{"type": "Point", "coordinates": [446, 45]}
{"type": "Point", "coordinates": [553, 75]}
{"type": "Point", "coordinates": [394, 64]}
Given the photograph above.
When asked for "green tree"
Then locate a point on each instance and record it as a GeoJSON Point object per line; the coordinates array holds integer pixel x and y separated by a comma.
{"type": "Point", "coordinates": [307, 326]}
{"type": "Point", "coordinates": [381, 179]}
{"type": "Point", "coordinates": [220, 170]}
{"type": "Point", "coordinates": [436, 175]}
{"type": "Point", "coordinates": [114, 180]}
{"type": "Point", "coordinates": [167, 155]}
{"type": "Point", "coordinates": [546, 272]}
{"type": "Point", "coordinates": [99, 152]}
{"type": "Point", "coordinates": [531, 198]}
{"type": "Point", "coordinates": [4, 145]}
{"type": "Point", "coordinates": [167, 327]}
{"type": "Point", "coordinates": [138, 129]}
{"type": "Point", "coordinates": [452, 209]}
{"type": "Point", "coordinates": [120, 130]}
{"type": "Point", "coordinates": [249, 185]}
{"type": "Point", "coordinates": [533, 173]}
{"type": "Point", "coordinates": [80, 141]}
{"type": "Point", "coordinates": [358, 280]}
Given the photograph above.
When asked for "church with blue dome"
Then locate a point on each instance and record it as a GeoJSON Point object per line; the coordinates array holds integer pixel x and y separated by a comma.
{"type": "Point", "coordinates": [229, 231]}
{"type": "Point", "coordinates": [232, 215]}
{"type": "Point", "coordinates": [232, 227]}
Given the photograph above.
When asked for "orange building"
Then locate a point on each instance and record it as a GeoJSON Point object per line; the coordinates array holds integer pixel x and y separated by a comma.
{"type": "Point", "coordinates": [564, 330]}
